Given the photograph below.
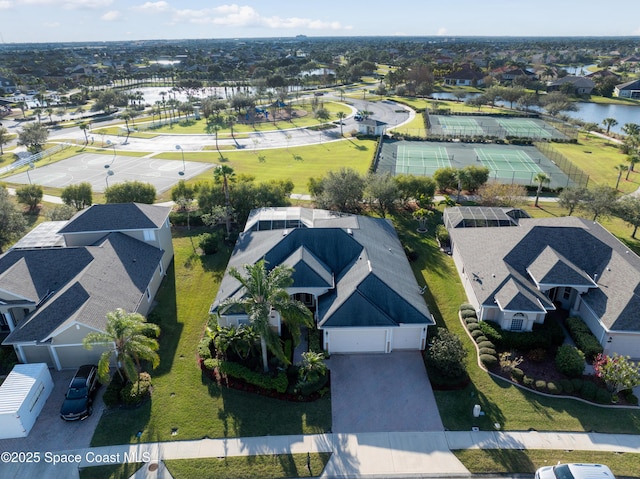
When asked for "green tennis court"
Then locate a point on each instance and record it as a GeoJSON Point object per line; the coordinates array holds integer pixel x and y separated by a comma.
{"type": "Point", "coordinates": [508, 164]}
{"type": "Point", "coordinates": [523, 127]}
{"type": "Point", "coordinates": [421, 160]}
{"type": "Point", "coordinates": [460, 125]}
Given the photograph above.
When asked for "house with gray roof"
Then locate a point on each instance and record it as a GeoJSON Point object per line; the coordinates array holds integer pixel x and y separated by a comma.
{"type": "Point", "coordinates": [630, 89]}
{"type": "Point", "coordinates": [351, 271]}
{"type": "Point", "coordinates": [516, 275]}
{"type": "Point", "coordinates": [59, 285]}
{"type": "Point", "coordinates": [580, 85]}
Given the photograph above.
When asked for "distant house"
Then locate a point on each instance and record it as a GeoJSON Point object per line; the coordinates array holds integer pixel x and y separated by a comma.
{"type": "Point", "coordinates": [510, 75]}
{"type": "Point", "coordinates": [515, 275]}
{"type": "Point", "coordinates": [602, 74]}
{"type": "Point", "coordinates": [581, 85]}
{"type": "Point", "coordinates": [351, 271]}
{"type": "Point", "coordinates": [58, 283]}
{"type": "Point", "coordinates": [7, 86]}
{"type": "Point", "coordinates": [464, 77]}
{"type": "Point", "coordinates": [630, 89]}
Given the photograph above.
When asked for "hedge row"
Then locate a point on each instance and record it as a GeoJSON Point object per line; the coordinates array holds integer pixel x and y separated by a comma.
{"type": "Point", "coordinates": [487, 349]}
{"type": "Point", "coordinates": [235, 370]}
{"type": "Point", "coordinates": [583, 337]}
{"type": "Point", "coordinates": [543, 336]}
{"type": "Point", "coordinates": [570, 387]}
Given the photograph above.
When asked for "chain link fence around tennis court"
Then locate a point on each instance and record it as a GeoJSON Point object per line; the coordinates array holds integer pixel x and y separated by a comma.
{"type": "Point", "coordinates": [579, 178]}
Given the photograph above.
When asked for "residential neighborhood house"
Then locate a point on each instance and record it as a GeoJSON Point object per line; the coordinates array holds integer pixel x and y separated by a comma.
{"type": "Point", "coordinates": [58, 283]}
{"type": "Point", "coordinates": [517, 271]}
{"type": "Point", "coordinates": [630, 89]}
{"type": "Point", "coordinates": [351, 271]}
{"type": "Point", "coordinates": [580, 85]}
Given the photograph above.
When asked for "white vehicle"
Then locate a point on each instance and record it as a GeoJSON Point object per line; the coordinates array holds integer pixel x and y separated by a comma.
{"type": "Point", "coordinates": [575, 471]}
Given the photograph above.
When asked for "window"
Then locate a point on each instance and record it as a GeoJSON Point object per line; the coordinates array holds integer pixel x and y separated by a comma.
{"type": "Point", "coordinates": [567, 293]}
{"type": "Point", "coordinates": [516, 324]}
{"type": "Point", "coordinates": [149, 235]}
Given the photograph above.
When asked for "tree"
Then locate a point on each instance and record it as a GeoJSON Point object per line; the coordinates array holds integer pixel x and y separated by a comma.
{"type": "Point", "coordinates": [542, 179]}
{"type": "Point", "coordinates": [128, 337]}
{"type": "Point", "coordinates": [342, 191]}
{"type": "Point", "coordinates": [620, 169]}
{"type": "Point", "coordinates": [84, 127]}
{"type": "Point", "coordinates": [382, 192]}
{"type": "Point", "coordinates": [447, 355]}
{"type": "Point", "coordinates": [341, 116]}
{"type": "Point", "coordinates": [60, 213]}
{"type": "Point", "coordinates": [33, 136]}
{"type": "Point", "coordinates": [30, 195]}
{"type": "Point", "coordinates": [12, 223]}
{"type": "Point", "coordinates": [556, 102]}
{"type": "Point", "coordinates": [446, 179]}
{"type": "Point", "coordinates": [224, 174]}
{"type": "Point", "coordinates": [183, 194]}
{"type": "Point", "coordinates": [618, 372]}
{"type": "Point", "coordinates": [473, 177]}
{"type": "Point", "coordinates": [418, 188]}
{"type": "Point", "coordinates": [600, 201]}
{"type": "Point", "coordinates": [265, 291]}
{"type": "Point", "coordinates": [628, 209]}
{"type": "Point", "coordinates": [609, 122]}
{"type": "Point", "coordinates": [495, 193]}
{"type": "Point", "coordinates": [79, 196]}
{"type": "Point", "coordinates": [633, 160]}
{"type": "Point", "coordinates": [130, 192]}
{"type": "Point", "coordinates": [572, 198]}
{"type": "Point", "coordinates": [4, 138]}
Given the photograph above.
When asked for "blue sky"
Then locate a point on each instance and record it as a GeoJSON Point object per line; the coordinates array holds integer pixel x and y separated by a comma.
{"type": "Point", "coordinates": [103, 20]}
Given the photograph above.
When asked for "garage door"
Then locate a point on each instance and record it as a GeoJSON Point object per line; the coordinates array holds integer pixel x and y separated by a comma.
{"type": "Point", "coordinates": [406, 338]}
{"type": "Point", "coordinates": [356, 340]}
{"type": "Point", "coordinates": [624, 345]}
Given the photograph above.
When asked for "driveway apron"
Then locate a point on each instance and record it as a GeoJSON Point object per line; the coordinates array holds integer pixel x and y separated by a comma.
{"type": "Point", "coordinates": [382, 392]}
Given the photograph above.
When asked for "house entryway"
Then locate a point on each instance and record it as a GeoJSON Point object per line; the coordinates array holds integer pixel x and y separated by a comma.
{"type": "Point", "coordinates": [382, 393]}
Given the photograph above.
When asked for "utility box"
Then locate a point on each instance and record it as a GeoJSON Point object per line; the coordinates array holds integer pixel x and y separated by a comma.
{"type": "Point", "coordinates": [22, 397]}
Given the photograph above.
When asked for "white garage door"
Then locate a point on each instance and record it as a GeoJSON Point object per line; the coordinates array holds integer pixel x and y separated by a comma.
{"type": "Point", "coordinates": [356, 340]}
{"type": "Point", "coordinates": [624, 345]}
{"type": "Point", "coordinates": [406, 338]}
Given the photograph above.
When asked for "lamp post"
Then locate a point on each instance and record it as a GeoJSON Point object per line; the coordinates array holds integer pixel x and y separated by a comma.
{"type": "Point", "coordinates": [184, 166]}
{"type": "Point", "coordinates": [110, 143]}
{"type": "Point", "coordinates": [109, 173]}
{"type": "Point", "coordinates": [31, 167]}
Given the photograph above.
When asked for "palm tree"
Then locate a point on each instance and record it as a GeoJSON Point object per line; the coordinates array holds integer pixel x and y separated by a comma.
{"type": "Point", "coordinates": [633, 160]}
{"type": "Point", "coordinates": [264, 292]}
{"type": "Point", "coordinates": [620, 169]}
{"type": "Point", "coordinates": [341, 116]}
{"type": "Point", "coordinates": [130, 339]}
{"type": "Point", "coordinates": [84, 127]}
{"type": "Point", "coordinates": [225, 174]}
{"type": "Point", "coordinates": [609, 122]}
{"type": "Point", "coordinates": [541, 178]}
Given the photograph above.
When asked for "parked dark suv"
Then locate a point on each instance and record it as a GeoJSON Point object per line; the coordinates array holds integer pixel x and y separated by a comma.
{"type": "Point", "coordinates": [79, 398]}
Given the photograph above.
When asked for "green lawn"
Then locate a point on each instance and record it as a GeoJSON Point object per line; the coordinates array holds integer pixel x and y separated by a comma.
{"type": "Point", "coordinates": [527, 461]}
{"type": "Point", "coordinates": [183, 399]}
{"type": "Point", "coordinates": [513, 408]}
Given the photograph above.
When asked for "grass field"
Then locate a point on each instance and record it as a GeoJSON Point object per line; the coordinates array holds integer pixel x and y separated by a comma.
{"type": "Point", "coordinates": [180, 389]}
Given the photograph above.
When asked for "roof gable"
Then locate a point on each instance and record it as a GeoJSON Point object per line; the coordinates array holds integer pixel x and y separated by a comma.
{"type": "Point", "coordinates": [308, 271]}
{"type": "Point", "coordinates": [552, 268]}
{"type": "Point", "coordinates": [117, 217]}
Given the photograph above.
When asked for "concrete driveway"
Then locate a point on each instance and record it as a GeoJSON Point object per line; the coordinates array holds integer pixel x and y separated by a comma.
{"type": "Point", "coordinates": [52, 434]}
{"type": "Point", "coordinates": [382, 393]}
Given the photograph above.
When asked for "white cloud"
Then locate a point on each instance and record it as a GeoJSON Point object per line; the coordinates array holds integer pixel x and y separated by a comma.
{"type": "Point", "coordinates": [5, 5]}
{"type": "Point", "coordinates": [111, 16]}
{"type": "Point", "coordinates": [246, 16]}
{"type": "Point", "coordinates": [51, 24]}
{"type": "Point", "coordinates": [636, 31]}
{"type": "Point", "coordinates": [153, 7]}
{"type": "Point", "coordinates": [70, 4]}
{"type": "Point", "coordinates": [441, 31]}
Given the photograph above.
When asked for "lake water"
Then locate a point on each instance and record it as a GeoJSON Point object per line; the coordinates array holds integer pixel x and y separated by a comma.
{"type": "Point", "coordinates": [589, 112]}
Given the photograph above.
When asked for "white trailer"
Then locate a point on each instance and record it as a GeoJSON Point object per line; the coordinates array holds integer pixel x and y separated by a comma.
{"type": "Point", "coordinates": [22, 397]}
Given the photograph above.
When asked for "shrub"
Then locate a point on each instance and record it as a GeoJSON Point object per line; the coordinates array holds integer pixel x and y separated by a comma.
{"type": "Point", "coordinates": [589, 391]}
{"type": "Point", "coordinates": [570, 361]}
{"type": "Point", "coordinates": [577, 384]}
{"type": "Point", "coordinates": [488, 360]}
{"type": "Point", "coordinates": [310, 387]}
{"type": "Point", "coordinates": [540, 385]}
{"type": "Point", "coordinates": [235, 370]}
{"type": "Point", "coordinates": [517, 374]}
{"type": "Point", "coordinates": [210, 364]}
{"type": "Point", "coordinates": [209, 242]}
{"type": "Point", "coordinates": [491, 331]}
{"type": "Point", "coordinates": [204, 348]}
{"type": "Point", "coordinates": [477, 333]}
{"type": "Point", "coordinates": [632, 399]}
{"type": "Point", "coordinates": [412, 254]}
{"type": "Point", "coordinates": [554, 388]}
{"type": "Point", "coordinates": [583, 337]}
{"type": "Point", "coordinates": [468, 313]}
{"type": "Point", "coordinates": [111, 396]}
{"type": "Point", "coordinates": [537, 355]}
{"type": "Point", "coordinates": [488, 351]}
{"type": "Point", "coordinates": [567, 386]}
{"type": "Point", "coordinates": [481, 338]}
{"type": "Point", "coordinates": [466, 306]}
{"type": "Point", "coordinates": [486, 344]}
{"type": "Point", "coordinates": [471, 320]}
{"type": "Point", "coordinates": [603, 396]}
{"type": "Point", "coordinates": [527, 381]}
{"type": "Point", "coordinates": [471, 327]}
{"type": "Point", "coordinates": [447, 355]}
{"type": "Point", "coordinates": [134, 393]}
{"type": "Point", "coordinates": [545, 335]}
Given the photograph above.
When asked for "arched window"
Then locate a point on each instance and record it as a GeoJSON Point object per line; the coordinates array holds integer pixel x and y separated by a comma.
{"type": "Point", "coordinates": [517, 321]}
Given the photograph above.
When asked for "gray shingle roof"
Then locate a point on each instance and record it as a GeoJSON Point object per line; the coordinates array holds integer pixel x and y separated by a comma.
{"type": "Point", "coordinates": [118, 217]}
{"type": "Point", "coordinates": [374, 284]}
{"type": "Point", "coordinates": [113, 274]}
{"type": "Point", "coordinates": [584, 250]}
{"type": "Point", "coordinates": [552, 268]}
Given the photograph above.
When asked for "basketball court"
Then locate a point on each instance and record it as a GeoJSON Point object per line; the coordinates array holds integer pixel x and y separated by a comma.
{"type": "Point", "coordinates": [106, 170]}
